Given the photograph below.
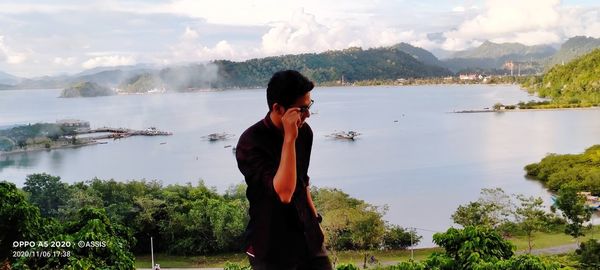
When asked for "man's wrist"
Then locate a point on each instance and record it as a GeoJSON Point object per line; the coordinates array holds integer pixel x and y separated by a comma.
{"type": "Point", "coordinates": [319, 218]}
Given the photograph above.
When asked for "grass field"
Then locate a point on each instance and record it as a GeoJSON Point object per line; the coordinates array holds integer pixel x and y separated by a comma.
{"type": "Point", "coordinates": [540, 240]}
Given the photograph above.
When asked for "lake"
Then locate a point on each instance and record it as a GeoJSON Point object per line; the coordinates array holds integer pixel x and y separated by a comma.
{"type": "Point", "coordinates": [414, 155]}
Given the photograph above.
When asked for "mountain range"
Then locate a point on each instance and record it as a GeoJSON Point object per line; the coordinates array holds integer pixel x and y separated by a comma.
{"type": "Point", "coordinates": [8, 79]}
{"type": "Point", "coordinates": [353, 64]}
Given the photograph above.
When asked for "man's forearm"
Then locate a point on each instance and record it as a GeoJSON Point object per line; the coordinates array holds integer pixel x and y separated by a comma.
{"type": "Point", "coordinates": [284, 181]}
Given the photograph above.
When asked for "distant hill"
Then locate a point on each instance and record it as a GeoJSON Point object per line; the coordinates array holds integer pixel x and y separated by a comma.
{"type": "Point", "coordinates": [497, 50]}
{"type": "Point", "coordinates": [573, 48]}
{"type": "Point", "coordinates": [491, 57]}
{"type": "Point", "coordinates": [420, 54]}
{"type": "Point", "coordinates": [86, 89]}
{"type": "Point", "coordinates": [8, 79]}
{"type": "Point", "coordinates": [113, 77]}
{"type": "Point", "coordinates": [353, 64]}
{"type": "Point", "coordinates": [577, 82]}
{"type": "Point", "coordinates": [97, 70]}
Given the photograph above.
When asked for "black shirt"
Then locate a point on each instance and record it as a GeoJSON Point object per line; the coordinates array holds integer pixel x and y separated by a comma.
{"type": "Point", "coordinates": [277, 231]}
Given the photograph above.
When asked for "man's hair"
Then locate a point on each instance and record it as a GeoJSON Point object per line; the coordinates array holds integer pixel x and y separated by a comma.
{"type": "Point", "coordinates": [286, 86]}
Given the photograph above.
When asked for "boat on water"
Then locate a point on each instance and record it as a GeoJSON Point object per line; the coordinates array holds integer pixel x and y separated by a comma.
{"type": "Point", "coordinates": [349, 135]}
{"type": "Point", "coordinates": [217, 136]}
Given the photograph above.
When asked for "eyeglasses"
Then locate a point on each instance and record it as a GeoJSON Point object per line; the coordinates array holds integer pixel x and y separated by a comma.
{"type": "Point", "coordinates": [305, 109]}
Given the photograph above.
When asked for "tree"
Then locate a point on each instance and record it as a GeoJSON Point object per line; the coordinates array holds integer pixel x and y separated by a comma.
{"type": "Point", "coordinates": [530, 216]}
{"type": "Point", "coordinates": [228, 220]}
{"type": "Point", "coordinates": [589, 254]}
{"type": "Point", "coordinates": [349, 223]}
{"type": "Point", "coordinates": [47, 192]}
{"type": "Point", "coordinates": [476, 248]}
{"type": "Point", "coordinates": [473, 214]}
{"type": "Point", "coordinates": [19, 220]}
{"type": "Point", "coordinates": [98, 244]}
{"type": "Point", "coordinates": [573, 208]}
{"type": "Point", "coordinates": [396, 237]}
{"type": "Point", "coordinates": [470, 246]}
{"type": "Point", "coordinates": [491, 209]}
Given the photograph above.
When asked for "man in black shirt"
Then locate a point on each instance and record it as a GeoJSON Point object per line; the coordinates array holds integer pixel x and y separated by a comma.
{"type": "Point", "coordinates": [273, 155]}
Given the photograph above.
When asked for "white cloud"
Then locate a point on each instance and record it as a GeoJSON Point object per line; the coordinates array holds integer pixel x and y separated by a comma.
{"type": "Point", "coordinates": [580, 22]}
{"type": "Point", "coordinates": [108, 61]}
{"type": "Point", "coordinates": [530, 38]}
{"type": "Point", "coordinates": [256, 12]}
{"type": "Point", "coordinates": [190, 48]}
{"type": "Point", "coordinates": [66, 61]}
{"type": "Point", "coordinates": [10, 56]}
{"type": "Point", "coordinates": [131, 31]}
{"type": "Point", "coordinates": [15, 8]}
{"type": "Point", "coordinates": [304, 34]}
{"type": "Point", "coordinates": [530, 22]}
{"type": "Point", "coordinates": [459, 9]}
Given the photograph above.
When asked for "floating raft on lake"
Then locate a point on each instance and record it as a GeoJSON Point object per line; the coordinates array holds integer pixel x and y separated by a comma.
{"type": "Point", "coordinates": [218, 136]}
{"type": "Point", "coordinates": [118, 133]}
{"type": "Point", "coordinates": [350, 135]}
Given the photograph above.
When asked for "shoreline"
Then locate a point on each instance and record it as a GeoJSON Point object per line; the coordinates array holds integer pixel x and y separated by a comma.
{"type": "Point", "coordinates": [23, 151]}
{"type": "Point", "coordinates": [526, 110]}
{"type": "Point", "coordinates": [114, 133]}
{"type": "Point", "coordinates": [357, 84]}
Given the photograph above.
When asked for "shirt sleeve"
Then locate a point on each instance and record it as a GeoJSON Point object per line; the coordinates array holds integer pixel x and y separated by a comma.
{"type": "Point", "coordinates": [309, 142]}
{"type": "Point", "coordinates": [257, 166]}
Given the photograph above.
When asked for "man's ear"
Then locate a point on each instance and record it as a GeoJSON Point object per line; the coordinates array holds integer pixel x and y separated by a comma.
{"type": "Point", "coordinates": [278, 109]}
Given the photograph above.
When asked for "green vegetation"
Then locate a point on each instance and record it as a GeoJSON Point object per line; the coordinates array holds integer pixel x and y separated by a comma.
{"type": "Point", "coordinates": [573, 208]}
{"type": "Point", "coordinates": [86, 89]}
{"type": "Point", "coordinates": [37, 135]}
{"type": "Point", "coordinates": [351, 224]}
{"type": "Point", "coordinates": [141, 83]}
{"type": "Point", "coordinates": [573, 48]}
{"type": "Point", "coordinates": [109, 246]}
{"type": "Point", "coordinates": [182, 219]}
{"type": "Point", "coordinates": [353, 64]}
{"type": "Point", "coordinates": [475, 248]}
{"type": "Point", "coordinates": [196, 226]}
{"type": "Point", "coordinates": [328, 68]}
{"type": "Point", "coordinates": [589, 254]}
{"type": "Point", "coordinates": [490, 58]}
{"type": "Point", "coordinates": [581, 171]}
{"type": "Point", "coordinates": [575, 84]}
{"type": "Point", "coordinates": [495, 209]}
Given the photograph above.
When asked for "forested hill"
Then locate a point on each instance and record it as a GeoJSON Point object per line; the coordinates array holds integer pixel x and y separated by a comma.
{"type": "Point", "coordinates": [354, 64]}
{"type": "Point", "coordinates": [573, 48]}
{"type": "Point", "coordinates": [496, 50]}
{"type": "Point", "coordinates": [577, 82]}
{"type": "Point", "coordinates": [490, 57]}
{"type": "Point", "coordinates": [425, 56]}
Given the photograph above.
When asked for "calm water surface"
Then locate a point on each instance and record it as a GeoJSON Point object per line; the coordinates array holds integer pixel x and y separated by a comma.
{"type": "Point", "coordinates": [413, 156]}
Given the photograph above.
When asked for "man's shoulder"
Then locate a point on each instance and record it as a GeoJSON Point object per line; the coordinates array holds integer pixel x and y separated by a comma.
{"type": "Point", "coordinates": [256, 130]}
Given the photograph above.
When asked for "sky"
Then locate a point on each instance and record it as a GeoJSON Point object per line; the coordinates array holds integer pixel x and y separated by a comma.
{"type": "Point", "coordinates": [39, 38]}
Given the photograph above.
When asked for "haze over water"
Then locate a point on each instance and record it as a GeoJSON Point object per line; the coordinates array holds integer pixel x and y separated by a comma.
{"type": "Point", "coordinates": [413, 156]}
